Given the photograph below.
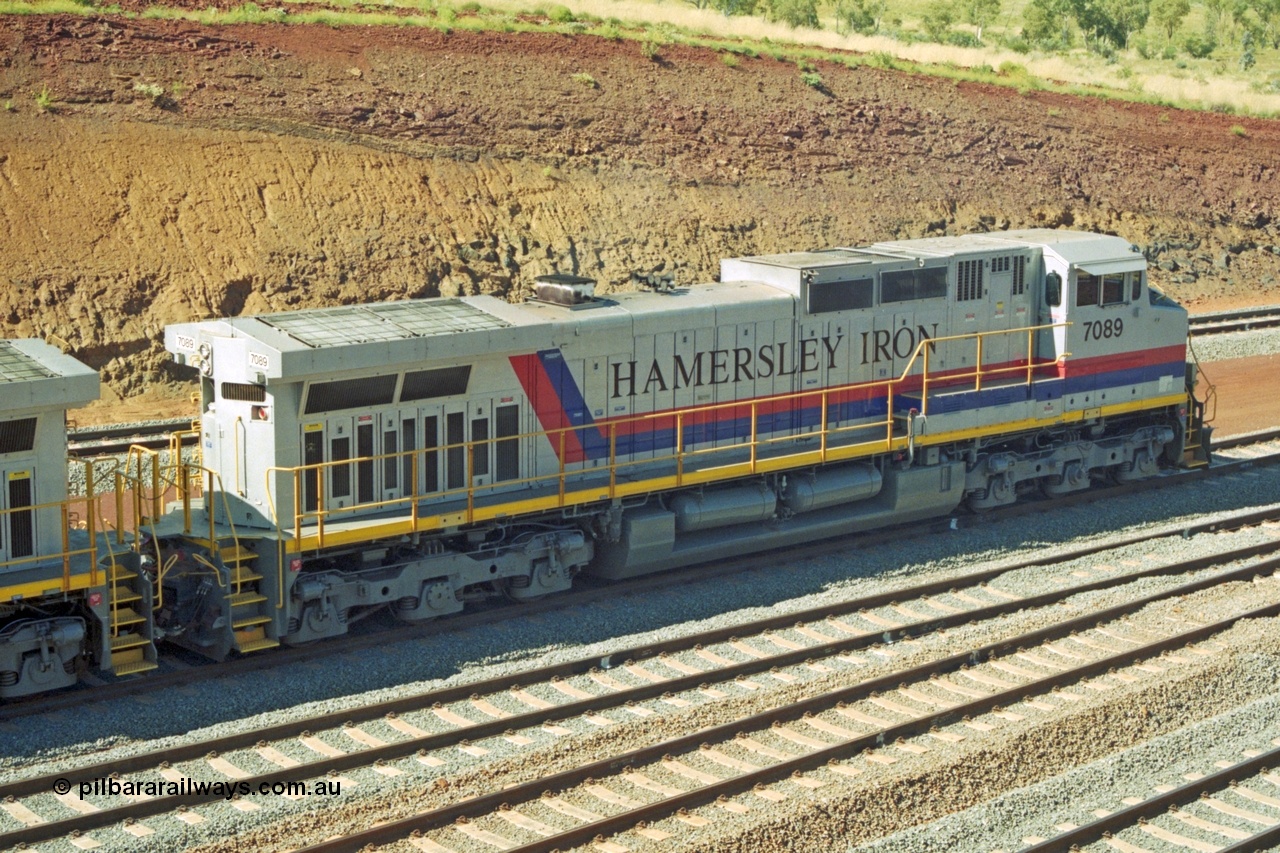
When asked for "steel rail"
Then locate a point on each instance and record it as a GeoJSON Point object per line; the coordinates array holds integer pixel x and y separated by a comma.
{"type": "Point", "coordinates": [1243, 319]}
{"type": "Point", "coordinates": [393, 751]}
{"type": "Point", "coordinates": [424, 701]}
{"type": "Point", "coordinates": [342, 645]}
{"type": "Point", "coordinates": [400, 829]}
{"type": "Point", "coordinates": [118, 438]}
{"type": "Point", "coordinates": [1161, 803]}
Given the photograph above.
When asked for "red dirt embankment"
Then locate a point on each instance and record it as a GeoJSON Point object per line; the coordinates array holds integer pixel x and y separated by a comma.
{"type": "Point", "coordinates": [292, 166]}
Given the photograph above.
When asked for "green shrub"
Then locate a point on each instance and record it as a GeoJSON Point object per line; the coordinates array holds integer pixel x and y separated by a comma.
{"type": "Point", "coordinates": [730, 60]}
{"type": "Point", "coordinates": [154, 91]}
{"type": "Point", "coordinates": [1198, 46]}
{"type": "Point", "coordinates": [812, 79]}
{"type": "Point", "coordinates": [1239, 130]}
{"type": "Point", "coordinates": [561, 15]}
{"type": "Point", "coordinates": [586, 79]}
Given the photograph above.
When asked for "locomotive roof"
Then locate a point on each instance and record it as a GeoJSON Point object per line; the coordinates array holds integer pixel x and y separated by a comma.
{"type": "Point", "coordinates": [1079, 248]}
{"type": "Point", "coordinates": [1094, 253]}
{"type": "Point", "coordinates": [326, 341]}
{"type": "Point", "coordinates": [35, 375]}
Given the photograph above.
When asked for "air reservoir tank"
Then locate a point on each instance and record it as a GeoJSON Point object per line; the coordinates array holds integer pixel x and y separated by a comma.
{"type": "Point", "coordinates": [747, 504]}
{"type": "Point", "coordinates": [831, 486]}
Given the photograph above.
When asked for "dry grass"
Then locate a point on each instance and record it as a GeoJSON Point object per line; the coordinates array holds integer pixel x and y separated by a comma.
{"type": "Point", "coordinates": [1206, 84]}
{"type": "Point", "coordinates": [1078, 69]}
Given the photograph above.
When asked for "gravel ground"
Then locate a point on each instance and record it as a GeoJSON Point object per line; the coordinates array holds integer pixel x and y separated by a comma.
{"type": "Point", "coordinates": [204, 710]}
{"type": "Point", "coordinates": [1109, 740]}
{"type": "Point", "coordinates": [945, 777]}
{"type": "Point", "coordinates": [1073, 796]}
{"type": "Point", "coordinates": [1236, 345]}
{"type": "Point", "coordinates": [507, 762]}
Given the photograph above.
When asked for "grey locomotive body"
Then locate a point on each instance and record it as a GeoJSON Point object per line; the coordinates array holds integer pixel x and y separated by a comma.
{"type": "Point", "coordinates": [419, 455]}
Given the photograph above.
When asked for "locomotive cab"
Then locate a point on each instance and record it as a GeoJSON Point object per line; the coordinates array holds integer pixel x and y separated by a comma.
{"type": "Point", "coordinates": [52, 592]}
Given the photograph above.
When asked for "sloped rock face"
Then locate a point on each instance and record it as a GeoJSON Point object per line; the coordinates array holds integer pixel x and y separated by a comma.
{"type": "Point", "coordinates": [294, 166]}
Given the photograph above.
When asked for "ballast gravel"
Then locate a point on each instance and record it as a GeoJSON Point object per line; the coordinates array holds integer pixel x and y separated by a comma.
{"type": "Point", "coordinates": [1073, 797]}
{"type": "Point", "coordinates": [511, 644]}
{"type": "Point", "coordinates": [1255, 342]}
{"type": "Point", "coordinates": [207, 709]}
{"type": "Point", "coordinates": [1118, 743]}
{"type": "Point", "coordinates": [944, 777]}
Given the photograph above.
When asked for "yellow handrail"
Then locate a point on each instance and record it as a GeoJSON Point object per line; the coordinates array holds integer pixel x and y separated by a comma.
{"type": "Point", "coordinates": [650, 422]}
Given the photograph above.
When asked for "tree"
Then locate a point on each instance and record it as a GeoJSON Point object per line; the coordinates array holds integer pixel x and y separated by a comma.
{"type": "Point", "coordinates": [1268, 12]}
{"type": "Point", "coordinates": [1247, 59]}
{"type": "Point", "coordinates": [859, 16]}
{"type": "Point", "coordinates": [1048, 21]}
{"type": "Point", "coordinates": [1128, 16]}
{"type": "Point", "coordinates": [979, 13]}
{"type": "Point", "coordinates": [733, 7]}
{"type": "Point", "coordinates": [939, 15]}
{"type": "Point", "coordinates": [1169, 14]}
{"type": "Point", "coordinates": [1215, 11]}
{"type": "Point", "coordinates": [795, 13]}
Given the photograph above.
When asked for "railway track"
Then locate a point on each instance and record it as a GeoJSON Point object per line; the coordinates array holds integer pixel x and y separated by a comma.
{"type": "Point", "coordinates": [1240, 320]}
{"type": "Point", "coordinates": [775, 755]}
{"type": "Point", "coordinates": [843, 641]}
{"type": "Point", "coordinates": [118, 438]}
{"type": "Point", "coordinates": [179, 671]}
{"type": "Point", "coordinates": [1238, 806]}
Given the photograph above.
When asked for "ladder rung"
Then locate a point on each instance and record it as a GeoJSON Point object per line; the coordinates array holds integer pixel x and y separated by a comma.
{"type": "Point", "coordinates": [126, 596]}
{"type": "Point", "coordinates": [236, 554]}
{"type": "Point", "coordinates": [240, 599]}
{"type": "Point", "coordinates": [242, 575]}
{"type": "Point", "coordinates": [135, 668]}
{"type": "Point", "coordinates": [249, 622]}
{"type": "Point", "coordinates": [257, 645]}
{"type": "Point", "coordinates": [127, 616]}
{"type": "Point", "coordinates": [127, 641]}
{"type": "Point", "coordinates": [120, 573]}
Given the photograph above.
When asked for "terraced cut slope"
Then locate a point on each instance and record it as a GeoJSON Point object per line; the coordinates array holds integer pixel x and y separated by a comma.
{"type": "Point", "coordinates": [288, 166]}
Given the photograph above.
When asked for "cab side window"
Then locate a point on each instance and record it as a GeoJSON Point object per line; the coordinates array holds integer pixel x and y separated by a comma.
{"type": "Point", "coordinates": [1113, 289]}
{"type": "Point", "coordinates": [1086, 289]}
{"type": "Point", "coordinates": [1053, 289]}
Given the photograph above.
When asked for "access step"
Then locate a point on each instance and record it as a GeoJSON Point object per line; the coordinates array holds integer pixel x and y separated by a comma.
{"type": "Point", "coordinates": [135, 668]}
{"type": "Point", "coordinates": [118, 572]}
{"type": "Point", "coordinates": [127, 641]}
{"type": "Point", "coordinates": [132, 662]}
{"type": "Point", "coordinates": [254, 640]}
{"type": "Point", "coordinates": [243, 575]}
{"type": "Point", "coordinates": [249, 622]}
{"type": "Point", "coordinates": [126, 616]}
{"type": "Point", "coordinates": [126, 596]}
{"type": "Point", "coordinates": [240, 599]}
{"type": "Point", "coordinates": [236, 554]}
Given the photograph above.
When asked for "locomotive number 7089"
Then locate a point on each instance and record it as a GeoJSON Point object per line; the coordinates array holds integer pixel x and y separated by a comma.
{"type": "Point", "coordinates": [1096, 330]}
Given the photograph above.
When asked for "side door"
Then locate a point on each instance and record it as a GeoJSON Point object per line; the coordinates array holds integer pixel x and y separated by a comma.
{"type": "Point", "coordinates": [455, 446]}
{"type": "Point", "coordinates": [18, 531]}
{"type": "Point", "coordinates": [366, 489]}
{"type": "Point", "coordinates": [508, 457]}
{"type": "Point", "coordinates": [340, 450]}
{"type": "Point", "coordinates": [313, 447]}
{"type": "Point", "coordinates": [480, 451]}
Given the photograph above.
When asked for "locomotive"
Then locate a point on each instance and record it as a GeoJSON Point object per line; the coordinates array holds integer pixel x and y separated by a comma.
{"type": "Point", "coordinates": [418, 455]}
